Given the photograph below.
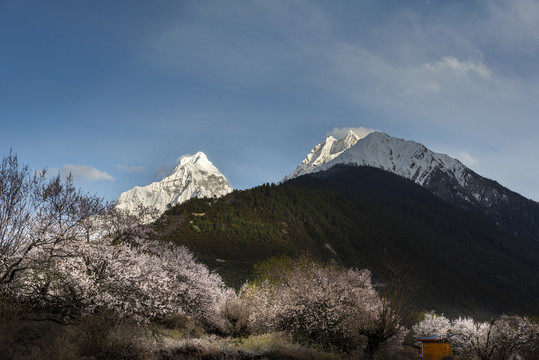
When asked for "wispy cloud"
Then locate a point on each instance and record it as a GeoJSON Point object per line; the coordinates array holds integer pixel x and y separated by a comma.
{"type": "Point", "coordinates": [131, 169]}
{"type": "Point", "coordinates": [85, 173]}
{"type": "Point", "coordinates": [459, 69]}
{"type": "Point", "coordinates": [466, 158]}
{"type": "Point", "coordinates": [365, 74]}
{"type": "Point", "coordinates": [161, 172]}
{"type": "Point", "coordinates": [341, 132]}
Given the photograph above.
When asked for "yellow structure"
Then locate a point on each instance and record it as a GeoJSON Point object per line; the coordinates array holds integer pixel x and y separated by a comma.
{"type": "Point", "coordinates": [435, 348]}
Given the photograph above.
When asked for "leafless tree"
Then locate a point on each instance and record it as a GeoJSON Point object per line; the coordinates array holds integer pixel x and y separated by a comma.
{"type": "Point", "coordinates": [37, 214]}
{"type": "Point", "coordinates": [383, 326]}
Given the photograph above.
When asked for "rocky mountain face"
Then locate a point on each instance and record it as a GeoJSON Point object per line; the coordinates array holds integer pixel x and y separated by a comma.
{"type": "Point", "coordinates": [193, 176]}
{"type": "Point", "coordinates": [443, 175]}
{"type": "Point", "coordinates": [324, 152]}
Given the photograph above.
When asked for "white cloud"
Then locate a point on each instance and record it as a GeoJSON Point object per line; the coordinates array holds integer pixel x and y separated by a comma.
{"type": "Point", "coordinates": [441, 91]}
{"type": "Point", "coordinates": [466, 158]}
{"type": "Point", "coordinates": [160, 173]}
{"type": "Point", "coordinates": [453, 67]}
{"type": "Point", "coordinates": [131, 169]}
{"type": "Point", "coordinates": [341, 132]}
{"type": "Point", "coordinates": [83, 172]}
{"type": "Point", "coordinates": [448, 75]}
{"type": "Point", "coordinates": [364, 74]}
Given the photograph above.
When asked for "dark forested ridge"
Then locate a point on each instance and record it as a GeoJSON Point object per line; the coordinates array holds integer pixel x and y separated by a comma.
{"type": "Point", "coordinates": [461, 263]}
{"type": "Point", "coordinates": [510, 210]}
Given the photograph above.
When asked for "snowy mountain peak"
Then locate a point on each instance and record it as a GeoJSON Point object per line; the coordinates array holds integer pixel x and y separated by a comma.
{"type": "Point", "coordinates": [196, 162]}
{"type": "Point", "coordinates": [351, 138]}
{"type": "Point", "coordinates": [324, 152]}
{"type": "Point", "coordinates": [402, 157]}
{"type": "Point", "coordinates": [199, 158]}
{"type": "Point", "coordinates": [193, 176]}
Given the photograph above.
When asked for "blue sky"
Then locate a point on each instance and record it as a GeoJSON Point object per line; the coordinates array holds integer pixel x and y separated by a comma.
{"type": "Point", "coordinates": [116, 91]}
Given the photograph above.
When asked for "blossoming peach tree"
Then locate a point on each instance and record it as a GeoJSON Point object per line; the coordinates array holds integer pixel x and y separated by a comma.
{"type": "Point", "coordinates": [504, 337]}
{"type": "Point", "coordinates": [321, 303]}
{"type": "Point", "coordinates": [66, 250]}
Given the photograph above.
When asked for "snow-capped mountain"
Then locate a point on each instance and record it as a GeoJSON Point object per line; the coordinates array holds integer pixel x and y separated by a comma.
{"type": "Point", "coordinates": [443, 175]}
{"type": "Point", "coordinates": [405, 158]}
{"type": "Point", "coordinates": [326, 151]}
{"type": "Point", "coordinates": [193, 176]}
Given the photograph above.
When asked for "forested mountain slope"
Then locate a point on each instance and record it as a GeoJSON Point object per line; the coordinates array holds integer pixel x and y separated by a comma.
{"type": "Point", "coordinates": [460, 262]}
{"type": "Point", "coordinates": [444, 176]}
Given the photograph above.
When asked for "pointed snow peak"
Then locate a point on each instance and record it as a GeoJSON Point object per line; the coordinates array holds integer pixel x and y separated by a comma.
{"type": "Point", "coordinates": [199, 157]}
{"type": "Point", "coordinates": [345, 143]}
{"type": "Point", "coordinates": [197, 162]}
{"type": "Point", "coordinates": [193, 176]}
{"type": "Point", "coordinates": [351, 137]}
{"type": "Point", "coordinates": [324, 152]}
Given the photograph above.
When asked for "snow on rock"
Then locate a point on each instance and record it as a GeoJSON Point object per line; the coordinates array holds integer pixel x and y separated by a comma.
{"type": "Point", "coordinates": [405, 158]}
{"type": "Point", "coordinates": [324, 152]}
{"type": "Point", "coordinates": [193, 176]}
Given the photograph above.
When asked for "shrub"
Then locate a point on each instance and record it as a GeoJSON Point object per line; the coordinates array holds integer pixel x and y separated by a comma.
{"type": "Point", "coordinates": [236, 312]}
{"type": "Point", "coordinates": [324, 304]}
{"type": "Point", "coordinates": [104, 336]}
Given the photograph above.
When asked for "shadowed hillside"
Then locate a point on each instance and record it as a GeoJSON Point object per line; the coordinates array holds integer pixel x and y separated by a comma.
{"type": "Point", "coordinates": [460, 263]}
